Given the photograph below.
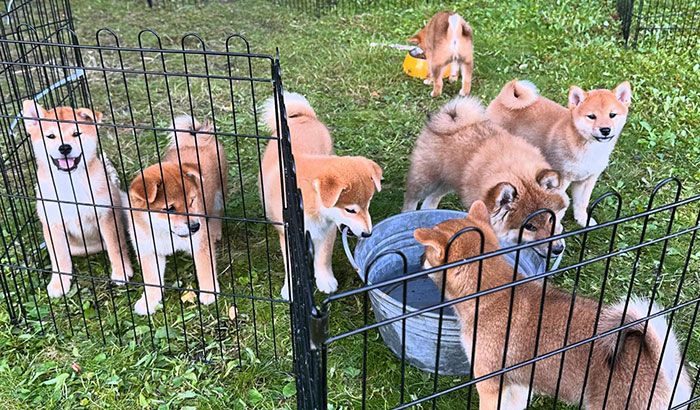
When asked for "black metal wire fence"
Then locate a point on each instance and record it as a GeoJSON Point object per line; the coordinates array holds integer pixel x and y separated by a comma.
{"type": "Point", "coordinates": [674, 23]}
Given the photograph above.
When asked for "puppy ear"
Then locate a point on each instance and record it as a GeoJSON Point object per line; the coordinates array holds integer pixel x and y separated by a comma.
{"type": "Point", "coordinates": [549, 179]}
{"type": "Point", "coordinates": [144, 189]}
{"type": "Point", "coordinates": [504, 194]}
{"type": "Point", "coordinates": [376, 175]}
{"type": "Point", "coordinates": [414, 40]}
{"type": "Point", "coordinates": [328, 188]}
{"type": "Point", "coordinates": [623, 92]}
{"type": "Point", "coordinates": [87, 115]}
{"type": "Point", "coordinates": [576, 96]}
{"type": "Point", "coordinates": [32, 112]}
{"type": "Point", "coordinates": [479, 212]}
{"type": "Point", "coordinates": [432, 238]}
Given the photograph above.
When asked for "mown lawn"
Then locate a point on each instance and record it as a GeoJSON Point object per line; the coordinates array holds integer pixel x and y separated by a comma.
{"type": "Point", "coordinates": [374, 110]}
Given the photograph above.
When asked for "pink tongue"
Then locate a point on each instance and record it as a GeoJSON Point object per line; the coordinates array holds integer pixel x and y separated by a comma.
{"type": "Point", "coordinates": [66, 163]}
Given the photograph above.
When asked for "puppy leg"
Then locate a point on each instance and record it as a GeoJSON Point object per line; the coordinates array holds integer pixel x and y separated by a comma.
{"type": "Point", "coordinates": [205, 264]}
{"type": "Point", "coordinates": [153, 267]}
{"type": "Point", "coordinates": [454, 71]}
{"type": "Point", "coordinates": [323, 256]}
{"type": "Point", "coordinates": [286, 290]}
{"type": "Point", "coordinates": [61, 263]}
{"type": "Point", "coordinates": [419, 183]}
{"type": "Point", "coordinates": [114, 236]}
{"type": "Point", "coordinates": [488, 395]}
{"type": "Point", "coordinates": [581, 195]}
{"type": "Point", "coordinates": [437, 81]}
{"type": "Point", "coordinates": [467, 69]}
{"type": "Point", "coordinates": [515, 397]}
{"type": "Point", "coordinates": [433, 199]}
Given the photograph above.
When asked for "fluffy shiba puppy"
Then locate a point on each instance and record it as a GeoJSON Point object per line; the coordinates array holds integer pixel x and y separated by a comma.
{"type": "Point", "coordinates": [612, 357]}
{"type": "Point", "coordinates": [447, 43]}
{"type": "Point", "coordinates": [460, 150]}
{"type": "Point", "coordinates": [180, 202]}
{"type": "Point", "coordinates": [577, 141]}
{"type": "Point", "coordinates": [76, 190]}
{"type": "Point", "coordinates": [336, 190]}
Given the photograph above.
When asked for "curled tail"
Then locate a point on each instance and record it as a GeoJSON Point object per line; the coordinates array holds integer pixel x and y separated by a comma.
{"type": "Point", "coordinates": [459, 113]}
{"type": "Point", "coordinates": [668, 358]}
{"type": "Point", "coordinates": [189, 132]}
{"type": "Point", "coordinates": [457, 26]}
{"type": "Point", "coordinates": [296, 105]}
{"type": "Point", "coordinates": [517, 94]}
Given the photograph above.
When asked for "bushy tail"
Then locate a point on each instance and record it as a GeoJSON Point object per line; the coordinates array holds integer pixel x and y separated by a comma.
{"type": "Point", "coordinates": [296, 104]}
{"type": "Point", "coordinates": [457, 114]}
{"type": "Point", "coordinates": [188, 132]}
{"type": "Point", "coordinates": [458, 26]}
{"type": "Point", "coordinates": [668, 357]}
{"type": "Point", "coordinates": [517, 94]}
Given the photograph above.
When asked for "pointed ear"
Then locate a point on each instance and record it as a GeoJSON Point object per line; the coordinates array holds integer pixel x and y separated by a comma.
{"type": "Point", "coordinates": [376, 175]}
{"type": "Point", "coordinates": [623, 92]}
{"type": "Point", "coordinates": [414, 40]}
{"type": "Point", "coordinates": [145, 189]}
{"type": "Point", "coordinates": [32, 112]}
{"type": "Point", "coordinates": [504, 194]}
{"type": "Point", "coordinates": [576, 96]}
{"type": "Point", "coordinates": [549, 179]}
{"type": "Point", "coordinates": [328, 188]}
{"type": "Point", "coordinates": [479, 212]}
{"type": "Point", "coordinates": [432, 238]}
{"type": "Point", "coordinates": [87, 115]}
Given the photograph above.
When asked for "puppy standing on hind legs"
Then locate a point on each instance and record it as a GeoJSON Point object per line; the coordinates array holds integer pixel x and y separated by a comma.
{"type": "Point", "coordinates": [71, 171]}
{"type": "Point", "coordinates": [336, 190]}
{"type": "Point", "coordinates": [447, 43]}
{"type": "Point", "coordinates": [186, 192]}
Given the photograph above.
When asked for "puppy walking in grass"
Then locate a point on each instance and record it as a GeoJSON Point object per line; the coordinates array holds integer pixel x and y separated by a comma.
{"type": "Point", "coordinates": [613, 357]}
{"type": "Point", "coordinates": [336, 190]}
{"type": "Point", "coordinates": [181, 202]}
{"type": "Point", "coordinates": [461, 150]}
{"type": "Point", "coordinates": [76, 190]}
{"type": "Point", "coordinates": [447, 43]}
{"type": "Point", "coordinates": [577, 141]}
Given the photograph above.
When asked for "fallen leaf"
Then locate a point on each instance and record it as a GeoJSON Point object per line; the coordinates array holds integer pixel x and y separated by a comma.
{"type": "Point", "coordinates": [232, 313]}
{"type": "Point", "coordinates": [188, 297]}
{"type": "Point", "coordinates": [76, 367]}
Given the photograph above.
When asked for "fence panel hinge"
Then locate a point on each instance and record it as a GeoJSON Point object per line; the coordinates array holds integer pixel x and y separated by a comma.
{"type": "Point", "coordinates": [319, 329]}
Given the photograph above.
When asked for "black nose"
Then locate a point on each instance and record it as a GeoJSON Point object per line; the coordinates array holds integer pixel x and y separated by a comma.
{"type": "Point", "coordinates": [557, 249]}
{"type": "Point", "coordinates": [605, 131]}
{"type": "Point", "coordinates": [366, 234]}
{"type": "Point", "coordinates": [65, 149]}
{"type": "Point", "coordinates": [194, 227]}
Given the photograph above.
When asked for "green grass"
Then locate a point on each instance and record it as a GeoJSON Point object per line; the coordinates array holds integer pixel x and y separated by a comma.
{"type": "Point", "coordinates": [374, 110]}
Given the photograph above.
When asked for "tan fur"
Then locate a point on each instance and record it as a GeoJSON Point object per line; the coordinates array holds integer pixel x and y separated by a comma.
{"type": "Point", "coordinates": [70, 229]}
{"type": "Point", "coordinates": [447, 43]}
{"type": "Point", "coordinates": [186, 191]}
{"type": "Point", "coordinates": [460, 150]}
{"type": "Point", "coordinates": [329, 184]}
{"type": "Point", "coordinates": [493, 318]}
{"type": "Point", "coordinates": [573, 143]}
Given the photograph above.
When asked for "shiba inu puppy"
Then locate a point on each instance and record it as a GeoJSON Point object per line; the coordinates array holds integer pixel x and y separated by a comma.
{"type": "Point", "coordinates": [460, 150]}
{"type": "Point", "coordinates": [577, 141]}
{"type": "Point", "coordinates": [447, 43]}
{"type": "Point", "coordinates": [76, 190]}
{"type": "Point", "coordinates": [336, 190]}
{"type": "Point", "coordinates": [612, 357]}
{"type": "Point", "coordinates": [184, 198]}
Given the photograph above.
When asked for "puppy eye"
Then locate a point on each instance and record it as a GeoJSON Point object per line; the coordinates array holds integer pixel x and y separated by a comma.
{"type": "Point", "coordinates": [51, 136]}
{"type": "Point", "coordinates": [170, 209]}
{"type": "Point", "coordinates": [591, 116]}
{"type": "Point", "coordinates": [350, 211]}
{"type": "Point", "coordinates": [530, 227]}
{"type": "Point", "coordinates": [612, 115]}
{"type": "Point", "coordinates": [76, 134]}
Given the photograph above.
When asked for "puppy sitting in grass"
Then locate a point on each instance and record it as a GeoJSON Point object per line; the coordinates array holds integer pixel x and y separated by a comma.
{"type": "Point", "coordinates": [577, 141]}
{"type": "Point", "coordinates": [612, 357]}
{"type": "Point", "coordinates": [460, 150]}
{"type": "Point", "coordinates": [180, 206]}
{"type": "Point", "coordinates": [447, 43]}
{"type": "Point", "coordinates": [336, 190]}
{"type": "Point", "coordinates": [70, 172]}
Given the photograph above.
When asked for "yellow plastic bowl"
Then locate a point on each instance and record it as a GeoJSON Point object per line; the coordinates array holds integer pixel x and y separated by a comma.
{"type": "Point", "coordinates": [418, 67]}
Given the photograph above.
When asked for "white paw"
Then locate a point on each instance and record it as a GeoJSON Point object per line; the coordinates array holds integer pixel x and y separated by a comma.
{"type": "Point", "coordinates": [206, 298]}
{"type": "Point", "coordinates": [120, 277]}
{"type": "Point", "coordinates": [56, 289]}
{"type": "Point", "coordinates": [452, 78]}
{"type": "Point", "coordinates": [582, 218]}
{"type": "Point", "coordinates": [434, 94]}
{"type": "Point", "coordinates": [463, 93]}
{"type": "Point", "coordinates": [427, 81]}
{"type": "Point", "coordinates": [327, 283]}
{"type": "Point", "coordinates": [140, 307]}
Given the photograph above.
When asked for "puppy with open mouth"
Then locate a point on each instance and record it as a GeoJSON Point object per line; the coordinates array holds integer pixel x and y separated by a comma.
{"type": "Point", "coordinates": [179, 205]}
{"type": "Point", "coordinates": [76, 190]}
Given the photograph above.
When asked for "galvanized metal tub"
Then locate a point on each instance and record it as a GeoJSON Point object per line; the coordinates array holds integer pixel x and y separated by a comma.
{"type": "Point", "coordinates": [421, 331]}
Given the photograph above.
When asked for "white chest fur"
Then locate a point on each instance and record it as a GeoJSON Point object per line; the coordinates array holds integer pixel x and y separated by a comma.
{"type": "Point", "coordinates": [592, 160]}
